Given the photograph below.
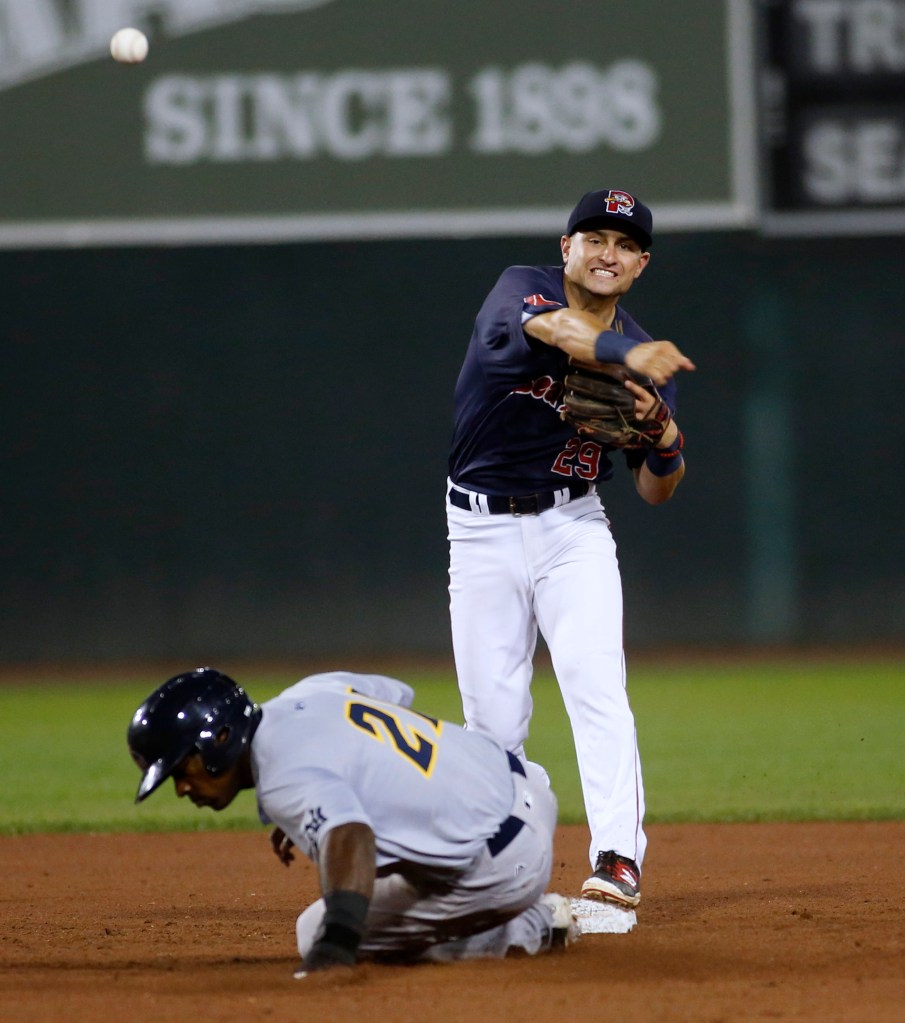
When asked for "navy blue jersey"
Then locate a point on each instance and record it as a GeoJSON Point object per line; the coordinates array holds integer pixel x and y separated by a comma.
{"type": "Point", "coordinates": [508, 436]}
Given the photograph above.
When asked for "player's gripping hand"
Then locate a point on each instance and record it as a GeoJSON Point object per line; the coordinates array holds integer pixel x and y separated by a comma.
{"type": "Point", "coordinates": [282, 846]}
{"type": "Point", "coordinates": [324, 975]}
{"type": "Point", "coordinates": [652, 415]}
{"type": "Point", "coordinates": [326, 954]}
{"type": "Point", "coordinates": [339, 935]}
{"type": "Point", "coordinates": [658, 360]}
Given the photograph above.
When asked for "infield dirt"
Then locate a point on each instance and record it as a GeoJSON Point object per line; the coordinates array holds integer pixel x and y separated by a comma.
{"type": "Point", "coordinates": [739, 922]}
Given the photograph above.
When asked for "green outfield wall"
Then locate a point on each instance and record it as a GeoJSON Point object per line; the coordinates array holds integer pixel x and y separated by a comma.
{"type": "Point", "coordinates": [241, 451]}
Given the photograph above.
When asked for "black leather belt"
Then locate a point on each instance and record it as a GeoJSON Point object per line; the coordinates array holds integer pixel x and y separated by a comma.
{"type": "Point", "coordinates": [512, 825]}
{"type": "Point", "coordinates": [520, 504]}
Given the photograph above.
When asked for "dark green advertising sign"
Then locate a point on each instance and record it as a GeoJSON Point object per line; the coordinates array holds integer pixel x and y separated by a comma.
{"type": "Point", "coordinates": [275, 119]}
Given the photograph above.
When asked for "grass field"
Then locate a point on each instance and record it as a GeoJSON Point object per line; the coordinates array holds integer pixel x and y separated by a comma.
{"type": "Point", "coordinates": [719, 742]}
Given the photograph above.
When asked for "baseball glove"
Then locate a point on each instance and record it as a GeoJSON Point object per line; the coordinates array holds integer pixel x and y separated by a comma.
{"type": "Point", "coordinates": [599, 405]}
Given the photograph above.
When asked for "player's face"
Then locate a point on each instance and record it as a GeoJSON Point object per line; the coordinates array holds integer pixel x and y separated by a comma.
{"type": "Point", "coordinates": [192, 779]}
{"type": "Point", "coordinates": [604, 263]}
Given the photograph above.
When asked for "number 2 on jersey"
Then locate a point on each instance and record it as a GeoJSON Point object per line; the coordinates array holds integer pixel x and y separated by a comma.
{"type": "Point", "coordinates": [383, 725]}
{"type": "Point", "coordinates": [581, 457]}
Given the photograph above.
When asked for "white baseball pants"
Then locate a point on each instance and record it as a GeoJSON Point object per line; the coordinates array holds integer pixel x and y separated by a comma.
{"type": "Point", "coordinates": [486, 911]}
{"type": "Point", "coordinates": [556, 571]}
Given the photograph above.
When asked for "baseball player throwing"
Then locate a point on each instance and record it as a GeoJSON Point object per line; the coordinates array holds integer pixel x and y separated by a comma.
{"type": "Point", "coordinates": [431, 842]}
{"type": "Point", "coordinates": [530, 545]}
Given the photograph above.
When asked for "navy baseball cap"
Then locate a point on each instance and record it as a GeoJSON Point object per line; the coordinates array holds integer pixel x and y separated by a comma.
{"type": "Point", "coordinates": [613, 207]}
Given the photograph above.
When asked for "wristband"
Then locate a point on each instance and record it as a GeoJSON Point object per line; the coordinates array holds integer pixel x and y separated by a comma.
{"type": "Point", "coordinates": [340, 932]}
{"type": "Point", "coordinates": [665, 461]}
{"type": "Point", "coordinates": [611, 346]}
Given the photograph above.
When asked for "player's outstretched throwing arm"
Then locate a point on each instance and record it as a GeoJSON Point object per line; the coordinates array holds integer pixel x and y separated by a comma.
{"type": "Point", "coordinates": [584, 337]}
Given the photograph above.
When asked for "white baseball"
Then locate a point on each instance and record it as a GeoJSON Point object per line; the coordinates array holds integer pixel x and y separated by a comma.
{"type": "Point", "coordinates": [129, 46]}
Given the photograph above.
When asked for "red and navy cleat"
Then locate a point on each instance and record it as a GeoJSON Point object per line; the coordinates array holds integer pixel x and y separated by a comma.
{"type": "Point", "coordinates": [615, 879]}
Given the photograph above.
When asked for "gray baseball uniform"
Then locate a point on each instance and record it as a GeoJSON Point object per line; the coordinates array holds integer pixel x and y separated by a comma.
{"type": "Point", "coordinates": [463, 831]}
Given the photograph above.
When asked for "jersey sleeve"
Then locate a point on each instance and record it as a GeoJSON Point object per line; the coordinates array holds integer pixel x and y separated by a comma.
{"type": "Point", "coordinates": [537, 303]}
{"type": "Point", "coordinates": [379, 687]}
{"type": "Point", "coordinates": [520, 293]}
{"type": "Point", "coordinates": [308, 804]}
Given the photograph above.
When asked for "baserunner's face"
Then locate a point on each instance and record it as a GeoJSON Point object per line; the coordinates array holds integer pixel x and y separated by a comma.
{"type": "Point", "coordinates": [604, 263]}
{"type": "Point", "coordinates": [192, 779]}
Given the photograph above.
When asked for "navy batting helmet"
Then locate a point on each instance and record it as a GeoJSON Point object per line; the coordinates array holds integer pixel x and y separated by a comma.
{"type": "Point", "coordinates": [201, 711]}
